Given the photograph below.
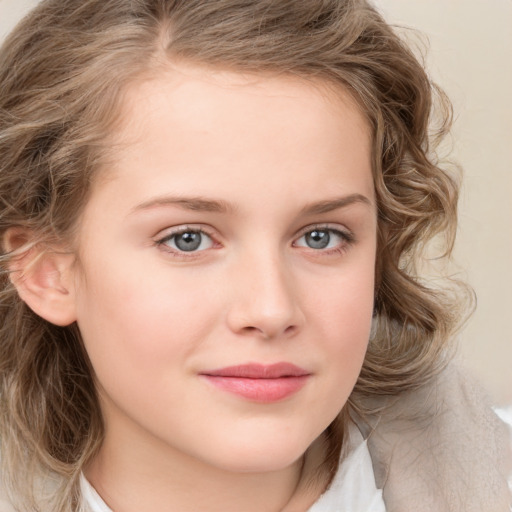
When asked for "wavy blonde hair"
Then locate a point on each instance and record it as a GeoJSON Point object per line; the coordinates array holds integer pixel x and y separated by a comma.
{"type": "Point", "coordinates": [63, 71]}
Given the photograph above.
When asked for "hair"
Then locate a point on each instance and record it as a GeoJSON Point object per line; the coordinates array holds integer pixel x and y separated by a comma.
{"type": "Point", "coordinates": [63, 71]}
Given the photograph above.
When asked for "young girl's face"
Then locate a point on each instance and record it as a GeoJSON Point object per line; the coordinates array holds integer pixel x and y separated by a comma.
{"type": "Point", "coordinates": [226, 278]}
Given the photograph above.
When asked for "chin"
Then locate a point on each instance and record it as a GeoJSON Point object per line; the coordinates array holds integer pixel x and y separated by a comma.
{"type": "Point", "coordinates": [261, 457]}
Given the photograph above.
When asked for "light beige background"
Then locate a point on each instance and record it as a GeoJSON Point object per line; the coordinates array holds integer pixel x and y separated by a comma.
{"type": "Point", "coordinates": [471, 57]}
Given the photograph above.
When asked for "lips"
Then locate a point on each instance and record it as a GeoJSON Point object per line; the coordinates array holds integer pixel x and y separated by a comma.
{"type": "Point", "coordinates": [257, 382]}
{"type": "Point", "coordinates": [259, 371]}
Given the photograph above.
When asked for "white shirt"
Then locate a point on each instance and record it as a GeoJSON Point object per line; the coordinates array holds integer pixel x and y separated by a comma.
{"type": "Point", "coordinates": [352, 490]}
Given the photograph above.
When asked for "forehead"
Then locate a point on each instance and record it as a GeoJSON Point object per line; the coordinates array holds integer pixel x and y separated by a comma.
{"type": "Point", "coordinates": [198, 96]}
{"type": "Point", "coordinates": [200, 122]}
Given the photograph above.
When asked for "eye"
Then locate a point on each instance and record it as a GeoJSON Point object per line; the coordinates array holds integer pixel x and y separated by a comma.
{"type": "Point", "coordinates": [187, 240]}
{"type": "Point", "coordinates": [323, 238]}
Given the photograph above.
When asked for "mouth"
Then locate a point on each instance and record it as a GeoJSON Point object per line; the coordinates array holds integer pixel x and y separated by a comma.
{"type": "Point", "coordinates": [257, 382]}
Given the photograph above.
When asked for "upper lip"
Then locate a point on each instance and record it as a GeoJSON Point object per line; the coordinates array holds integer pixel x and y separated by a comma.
{"type": "Point", "coordinates": [259, 371]}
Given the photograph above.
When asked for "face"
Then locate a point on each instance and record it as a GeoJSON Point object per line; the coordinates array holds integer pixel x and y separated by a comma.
{"type": "Point", "coordinates": [226, 277]}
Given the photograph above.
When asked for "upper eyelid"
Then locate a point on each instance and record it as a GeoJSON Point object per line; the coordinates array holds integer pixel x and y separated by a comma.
{"type": "Point", "coordinates": [183, 228]}
{"type": "Point", "coordinates": [326, 226]}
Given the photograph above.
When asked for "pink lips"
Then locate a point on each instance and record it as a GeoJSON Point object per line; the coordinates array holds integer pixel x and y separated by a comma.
{"type": "Point", "coordinates": [259, 383]}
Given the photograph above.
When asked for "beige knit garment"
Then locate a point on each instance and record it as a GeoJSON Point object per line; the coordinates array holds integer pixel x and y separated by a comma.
{"type": "Point", "coordinates": [441, 449]}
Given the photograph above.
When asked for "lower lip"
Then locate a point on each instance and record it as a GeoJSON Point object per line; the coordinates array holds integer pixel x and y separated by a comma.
{"type": "Point", "coordinates": [259, 390]}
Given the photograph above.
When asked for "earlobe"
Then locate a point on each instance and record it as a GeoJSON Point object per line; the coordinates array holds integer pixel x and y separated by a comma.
{"type": "Point", "coordinates": [43, 277]}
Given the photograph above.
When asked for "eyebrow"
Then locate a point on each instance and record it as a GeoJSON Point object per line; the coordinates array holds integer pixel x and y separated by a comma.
{"type": "Point", "coordinates": [198, 204]}
{"type": "Point", "coordinates": [334, 204]}
{"type": "Point", "coordinates": [201, 204]}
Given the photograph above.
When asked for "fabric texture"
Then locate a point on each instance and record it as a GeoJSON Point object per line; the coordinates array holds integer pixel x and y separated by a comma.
{"type": "Point", "coordinates": [353, 488]}
{"type": "Point", "coordinates": [441, 448]}
{"type": "Point", "coordinates": [91, 498]}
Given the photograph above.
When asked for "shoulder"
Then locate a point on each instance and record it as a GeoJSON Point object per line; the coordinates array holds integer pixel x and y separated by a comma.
{"type": "Point", "coordinates": [441, 447]}
{"type": "Point", "coordinates": [45, 492]}
{"type": "Point", "coordinates": [5, 503]}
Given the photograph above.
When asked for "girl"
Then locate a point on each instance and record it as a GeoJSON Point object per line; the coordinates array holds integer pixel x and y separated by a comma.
{"type": "Point", "coordinates": [211, 216]}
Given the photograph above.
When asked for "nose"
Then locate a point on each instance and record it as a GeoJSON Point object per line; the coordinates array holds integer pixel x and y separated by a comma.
{"type": "Point", "coordinates": [265, 301]}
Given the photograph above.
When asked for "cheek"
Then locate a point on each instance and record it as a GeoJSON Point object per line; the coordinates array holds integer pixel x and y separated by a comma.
{"type": "Point", "coordinates": [139, 335]}
{"type": "Point", "coordinates": [343, 321]}
{"type": "Point", "coordinates": [345, 305]}
{"type": "Point", "coordinates": [136, 320]}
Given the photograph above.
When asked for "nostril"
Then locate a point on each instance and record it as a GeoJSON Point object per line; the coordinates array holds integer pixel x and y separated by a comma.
{"type": "Point", "coordinates": [268, 333]}
{"type": "Point", "coordinates": [290, 329]}
{"type": "Point", "coordinates": [259, 331]}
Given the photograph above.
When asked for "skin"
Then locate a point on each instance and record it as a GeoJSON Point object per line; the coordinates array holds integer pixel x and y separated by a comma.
{"type": "Point", "coordinates": [256, 163]}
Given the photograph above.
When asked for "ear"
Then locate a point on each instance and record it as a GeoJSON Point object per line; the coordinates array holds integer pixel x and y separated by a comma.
{"type": "Point", "coordinates": [43, 276]}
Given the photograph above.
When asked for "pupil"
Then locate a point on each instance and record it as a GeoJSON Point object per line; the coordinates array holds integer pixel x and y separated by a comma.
{"type": "Point", "coordinates": [318, 239]}
{"type": "Point", "coordinates": [188, 241]}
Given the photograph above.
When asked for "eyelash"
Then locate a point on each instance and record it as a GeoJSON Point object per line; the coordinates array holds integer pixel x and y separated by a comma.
{"type": "Point", "coordinates": [161, 243]}
{"type": "Point", "coordinates": [347, 239]}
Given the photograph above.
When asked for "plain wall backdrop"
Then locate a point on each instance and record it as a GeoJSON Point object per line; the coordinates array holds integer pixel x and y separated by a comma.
{"type": "Point", "coordinates": [470, 56]}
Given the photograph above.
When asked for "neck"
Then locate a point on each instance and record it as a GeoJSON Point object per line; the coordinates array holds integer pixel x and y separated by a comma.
{"type": "Point", "coordinates": [131, 478]}
{"type": "Point", "coordinates": [189, 487]}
